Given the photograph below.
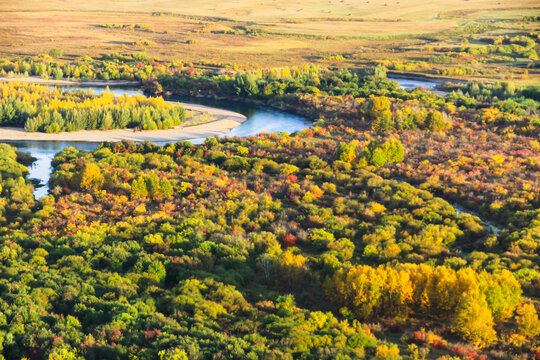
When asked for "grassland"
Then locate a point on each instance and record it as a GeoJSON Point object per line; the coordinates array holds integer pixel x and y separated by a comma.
{"type": "Point", "coordinates": [263, 33]}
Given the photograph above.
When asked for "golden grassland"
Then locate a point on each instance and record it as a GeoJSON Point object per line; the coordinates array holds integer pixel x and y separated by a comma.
{"type": "Point", "coordinates": [279, 10]}
{"type": "Point", "coordinates": [278, 32]}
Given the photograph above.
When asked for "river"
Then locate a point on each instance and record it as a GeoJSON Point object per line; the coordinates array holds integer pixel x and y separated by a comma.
{"type": "Point", "coordinates": [409, 84]}
{"type": "Point", "coordinates": [259, 119]}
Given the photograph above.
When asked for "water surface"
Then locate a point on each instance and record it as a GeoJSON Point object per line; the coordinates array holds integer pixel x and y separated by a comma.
{"type": "Point", "coordinates": [409, 84]}
{"type": "Point", "coordinates": [259, 119]}
{"type": "Point", "coordinates": [44, 152]}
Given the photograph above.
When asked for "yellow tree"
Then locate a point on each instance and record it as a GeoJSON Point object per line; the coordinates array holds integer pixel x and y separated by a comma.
{"type": "Point", "coordinates": [473, 320]}
{"type": "Point", "coordinates": [527, 321]}
{"type": "Point", "coordinates": [292, 267]}
{"type": "Point", "coordinates": [91, 178]}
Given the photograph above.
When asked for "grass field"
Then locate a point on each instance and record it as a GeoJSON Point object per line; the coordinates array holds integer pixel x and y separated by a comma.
{"type": "Point", "coordinates": [262, 32]}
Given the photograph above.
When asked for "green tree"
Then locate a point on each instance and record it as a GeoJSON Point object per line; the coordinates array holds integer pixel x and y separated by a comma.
{"type": "Point", "coordinates": [173, 354]}
{"type": "Point", "coordinates": [383, 122]}
{"type": "Point", "coordinates": [394, 151]}
{"type": "Point", "coordinates": [246, 84]}
{"type": "Point", "coordinates": [157, 269]}
{"type": "Point", "coordinates": [166, 189]}
{"type": "Point", "coordinates": [152, 184]}
{"type": "Point", "coordinates": [58, 74]}
{"type": "Point", "coordinates": [138, 188]}
{"type": "Point", "coordinates": [379, 154]}
{"type": "Point", "coordinates": [435, 121]}
{"type": "Point", "coordinates": [503, 293]}
{"type": "Point", "coordinates": [106, 121]}
{"type": "Point", "coordinates": [347, 152]}
{"type": "Point", "coordinates": [56, 53]}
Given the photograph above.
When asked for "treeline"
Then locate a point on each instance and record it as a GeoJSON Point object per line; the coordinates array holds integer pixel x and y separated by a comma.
{"type": "Point", "coordinates": [502, 104]}
{"type": "Point", "coordinates": [42, 109]}
{"type": "Point", "coordinates": [127, 26]}
{"type": "Point", "coordinates": [472, 303]}
{"type": "Point", "coordinates": [279, 87]}
{"type": "Point", "coordinates": [387, 116]}
{"type": "Point", "coordinates": [307, 79]}
{"type": "Point", "coordinates": [519, 45]}
{"type": "Point", "coordinates": [363, 98]}
{"type": "Point", "coordinates": [134, 66]}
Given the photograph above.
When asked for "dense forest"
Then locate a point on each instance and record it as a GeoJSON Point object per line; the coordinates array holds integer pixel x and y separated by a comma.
{"type": "Point", "coordinates": [39, 108]}
{"type": "Point", "coordinates": [342, 241]}
{"type": "Point", "coordinates": [153, 251]}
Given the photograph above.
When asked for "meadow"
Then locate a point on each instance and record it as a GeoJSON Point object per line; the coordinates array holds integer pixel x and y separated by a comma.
{"type": "Point", "coordinates": [271, 33]}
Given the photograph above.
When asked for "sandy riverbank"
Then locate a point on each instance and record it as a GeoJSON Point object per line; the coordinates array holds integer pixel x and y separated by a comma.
{"type": "Point", "coordinates": [65, 82]}
{"type": "Point", "coordinates": [223, 122]}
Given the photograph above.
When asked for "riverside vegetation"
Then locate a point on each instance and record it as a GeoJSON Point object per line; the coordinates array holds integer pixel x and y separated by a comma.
{"type": "Point", "coordinates": [286, 246]}
{"type": "Point", "coordinates": [400, 225]}
{"type": "Point", "coordinates": [38, 108]}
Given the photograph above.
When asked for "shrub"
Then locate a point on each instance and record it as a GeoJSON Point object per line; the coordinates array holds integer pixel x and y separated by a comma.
{"type": "Point", "coordinates": [55, 52]}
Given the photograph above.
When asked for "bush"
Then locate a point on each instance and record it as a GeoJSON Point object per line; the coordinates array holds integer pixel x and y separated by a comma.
{"type": "Point", "coordinates": [56, 53]}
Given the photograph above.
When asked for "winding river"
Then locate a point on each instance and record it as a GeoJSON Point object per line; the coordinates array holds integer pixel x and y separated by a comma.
{"type": "Point", "coordinates": [259, 119]}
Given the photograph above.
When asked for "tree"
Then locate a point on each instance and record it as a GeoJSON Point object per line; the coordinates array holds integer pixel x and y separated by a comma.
{"type": "Point", "coordinates": [172, 354]}
{"type": "Point", "coordinates": [369, 292]}
{"type": "Point", "coordinates": [377, 107]}
{"type": "Point", "coordinates": [383, 122]}
{"type": "Point", "coordinates": [503, 293]}
{"type": "Point", "coordinates": [157, 269]}
{"type": "Point", "coordinates": [527, 321]}
{"type": "Point", "coordinates": [166, 189]}
{"type": "Point", "coordinates": [64, 352]}
{"type": "Point", "coordinates": [378, 158]}
{"type": "Point", "coordinates": [347, 152]}
{"type": "Point", "coordinates": [435, 121]}
{"type": "Point", "coordinates": [152, 184]}
{"type": "Point", "coordinates": [58, 74]}
{"type": "Point", "coordinates": [473, 320]}
{"type": "Point", "coordinates": [138, 188]}
{"type": "Point", "coordinates": [343, 247]}
{"type": "Point", "coordinates": [394, 151]}
{"type": "Point", "coordinates": [289, 240]}
{"type": "Point", "coordinates": [387, 352]}
{"type": "Point", "coordinates": [55, 52]}
{"type": "Point", "coordinates": [91, 178]}
{"type": "Point", "coordinates": [379, 154]}
{"type": "Point", "coordinates": [292, 267]}
{"type": "Point", "coordinates": [106, 121]}
{"type": "Point", "coordinates": [246, 84]}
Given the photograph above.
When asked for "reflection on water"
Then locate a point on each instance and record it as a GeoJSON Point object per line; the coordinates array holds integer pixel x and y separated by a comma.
{"type": "Point", "coordinates": [116, 90]}
{"type": "Point", "coordinates": [259, 118]}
